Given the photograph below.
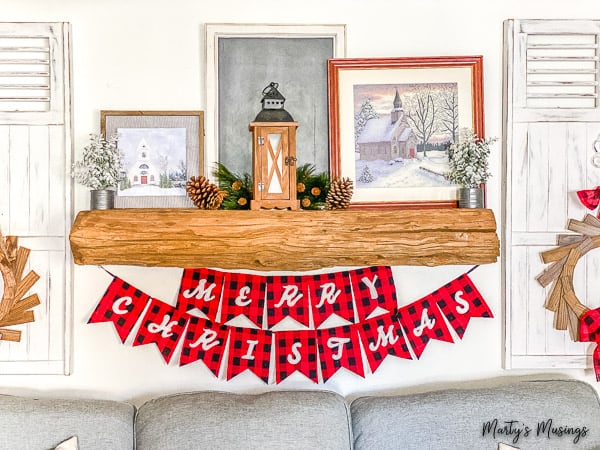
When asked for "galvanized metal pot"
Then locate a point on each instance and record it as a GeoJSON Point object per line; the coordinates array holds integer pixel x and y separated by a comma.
{"type": "Point", "coordinates": [470, 197]}
{"type": "Point", "coordinates": [102, 199]}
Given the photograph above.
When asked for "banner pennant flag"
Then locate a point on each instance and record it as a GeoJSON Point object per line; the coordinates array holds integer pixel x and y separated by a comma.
{"type": "Point", "coordinates": [422, 321]}
{"type": "Point", "coordinates": [204, 340]}
{"type": "Point", "coordinates": [122, 304]}
{"type": "Point", "coordinates": [339, 347]}
{"type": "Point", "coordinates": [163, 326]}
{"type": "Point", "coordinates": [589, 331]}
{"type": "Point", "coordinates": [296, 351]}
{"type": "Point", "coordinates": [331, 293]}
{"type": "Point", "coordinates": [249, 349]}
{"type": "Point", "coordinates": [373, 287]}
{"type": "Point", "coordinates": [244, 294]}
{"type": "Point", "coordinates": [287, 296]}
{"type": "Point", "coordinates": [381, 337]}
{"type": "Point", "coordinates": [460, 300]}
{"type": "Point", "coordinates": [201, 288]}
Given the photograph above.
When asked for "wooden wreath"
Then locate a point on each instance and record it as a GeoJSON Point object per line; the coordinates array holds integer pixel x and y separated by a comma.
{"type": "Point", "coordinates": [14, 309]}
{"type": "Point", "coordinates": [562, 299]}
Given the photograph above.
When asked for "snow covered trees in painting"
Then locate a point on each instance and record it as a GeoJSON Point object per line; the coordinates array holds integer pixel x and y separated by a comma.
{"type": "Point", "coordinates": [402, 133]}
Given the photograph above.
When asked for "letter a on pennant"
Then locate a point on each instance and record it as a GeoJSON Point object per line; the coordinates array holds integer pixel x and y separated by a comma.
{"type": "Point", "coordinates": [423, 321]}
{"type": "Point", "coordinates": [122, 304]}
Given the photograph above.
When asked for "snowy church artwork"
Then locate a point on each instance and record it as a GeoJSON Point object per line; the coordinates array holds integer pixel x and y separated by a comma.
{"type": "Point", "coordinates": [402, 133]}
{"type": "Point", "coordinates": [154, 161]}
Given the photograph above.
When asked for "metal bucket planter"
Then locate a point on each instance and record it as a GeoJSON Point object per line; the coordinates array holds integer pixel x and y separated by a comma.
{"type": "Point", "coordinates": [470, 197]}
{"type": "Point", "coordinates": [102, 199]}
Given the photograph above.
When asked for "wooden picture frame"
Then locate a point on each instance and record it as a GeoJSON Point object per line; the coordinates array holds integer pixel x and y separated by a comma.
{"type": "Point", "coordinates": [162, 150]}
{"type": "Point", "coordinates": [360, 89]}
{"type": "Point", "coordinates": [241, 59]}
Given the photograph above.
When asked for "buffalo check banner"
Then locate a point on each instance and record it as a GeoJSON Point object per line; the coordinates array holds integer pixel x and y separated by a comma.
{"type": "Point", "coordinates": [122, 304]}
{"type": "Point", "coordinates": [365, 298]}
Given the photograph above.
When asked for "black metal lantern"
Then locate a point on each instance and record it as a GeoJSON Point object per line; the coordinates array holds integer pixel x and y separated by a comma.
{"type": "Point", "coordinates": [272, 106]}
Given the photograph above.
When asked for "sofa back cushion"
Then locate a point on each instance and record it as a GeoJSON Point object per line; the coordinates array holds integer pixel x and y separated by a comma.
{"type": "Point", "coordinates": [42, 424]}
{"type": "Point", "coordinates": [218, 420]}
{"type": "Point", "coordinates": [482, 418]}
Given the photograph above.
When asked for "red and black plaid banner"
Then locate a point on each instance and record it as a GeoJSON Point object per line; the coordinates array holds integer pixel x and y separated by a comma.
{"type": "Point", "coordinates": [423, 321]}
{"type": "Point", "coordinates": [331, 293]}
{"type": "Point", "coordinates": [249, 349]}
{"type": "Point", "coordinates": [339, 347]}
{"type": "Point", "coordinates": [460, 300]}
{"type": "Point", "coordinates": [162, 325]}
{"type": "Point", "coordinates": [287, 296]}
{"type": "Point", "coordinates": [373, 287]}
{"type": "Point", "coordinates": [201, 288]}
{"type": "Point", "coordinates": [204, 341]}
{"type": "Point", "coordinates": [296, 350]}
{"type": "Point", "coordinates": [589, 331]}
{"type": "Point", "coordinates": [122, 304]}
{"type": "Point", "coordinates": [382, 336]}
{"type": "Point", "coordinates": [244, 294]}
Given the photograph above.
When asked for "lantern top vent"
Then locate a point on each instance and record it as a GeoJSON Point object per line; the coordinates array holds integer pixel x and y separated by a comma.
{"type": "Point", "coordinates": [272, 106]}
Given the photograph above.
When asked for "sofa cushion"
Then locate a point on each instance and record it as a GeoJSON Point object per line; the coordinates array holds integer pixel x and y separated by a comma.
{"type": "Point", "coordinates": [42, 424]}
{"type": "Point", "coordinates": [218, 420]}
{"type": "Point", "coordinates": [481, 418]}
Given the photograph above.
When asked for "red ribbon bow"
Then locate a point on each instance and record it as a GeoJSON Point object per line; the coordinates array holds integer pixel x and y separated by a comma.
{"type": "Point", "coordinates": [589, 331]}
{"type": "Point", "coordinates": [590, 198]}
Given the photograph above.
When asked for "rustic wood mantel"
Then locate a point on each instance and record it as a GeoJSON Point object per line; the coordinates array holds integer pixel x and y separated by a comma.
{"type": "Point", "coordinates": [284, 240]}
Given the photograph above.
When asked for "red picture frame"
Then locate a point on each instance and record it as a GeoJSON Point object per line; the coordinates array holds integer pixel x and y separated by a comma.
{"type": "Point", "coordinates": [462, 75]}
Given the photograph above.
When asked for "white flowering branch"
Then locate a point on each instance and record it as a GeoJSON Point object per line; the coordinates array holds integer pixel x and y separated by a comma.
{"type": "Point", "coordinates": [101, 165]}
{"type": "Point", "coordinates": [469, 166]}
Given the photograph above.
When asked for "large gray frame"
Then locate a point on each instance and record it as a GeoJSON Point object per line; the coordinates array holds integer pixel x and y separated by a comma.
{"type": "Point", "coordinates": [244, 59]}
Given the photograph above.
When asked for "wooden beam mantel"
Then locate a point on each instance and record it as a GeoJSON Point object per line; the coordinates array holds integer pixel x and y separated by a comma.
{"type": "Point", "coordinates": [284, 240]}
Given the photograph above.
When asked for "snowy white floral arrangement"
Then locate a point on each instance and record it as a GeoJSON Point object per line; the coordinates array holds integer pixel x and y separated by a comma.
{"type": "Point", "coordinates": [468, 163]}
{"type": "Point", "coordinates": [101, 165]}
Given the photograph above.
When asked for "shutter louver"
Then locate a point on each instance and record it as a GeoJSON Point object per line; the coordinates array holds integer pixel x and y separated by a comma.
{"type": "Point", "coordinates": [24, 74]}
{"type": "Point", "coordinates": [562, 71]}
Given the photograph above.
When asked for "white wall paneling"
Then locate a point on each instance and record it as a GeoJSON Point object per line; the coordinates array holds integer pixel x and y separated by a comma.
{"type": "Point", "coordinates": [35, 202]}
{"type": "Point", "coordinates": [552, 119]}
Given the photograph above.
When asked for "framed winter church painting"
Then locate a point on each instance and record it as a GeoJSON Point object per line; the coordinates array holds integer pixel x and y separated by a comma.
{"type": "Point", "coordinates": [161, 151]}
{"type": "Point", "coordinates": [392, 121]}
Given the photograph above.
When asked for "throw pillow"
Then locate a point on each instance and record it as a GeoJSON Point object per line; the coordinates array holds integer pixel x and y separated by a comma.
{"type": "Point", "coordinates": [69, 444]}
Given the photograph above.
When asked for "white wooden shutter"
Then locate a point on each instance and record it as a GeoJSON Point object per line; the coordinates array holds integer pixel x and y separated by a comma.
{"type": "Point", "coordinates": [35, 184]}
{"type": "Point", "coordinates": [552, 118]}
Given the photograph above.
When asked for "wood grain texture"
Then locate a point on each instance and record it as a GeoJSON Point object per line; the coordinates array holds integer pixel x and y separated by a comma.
{"type": "Point", "coordinates": [284, 240]}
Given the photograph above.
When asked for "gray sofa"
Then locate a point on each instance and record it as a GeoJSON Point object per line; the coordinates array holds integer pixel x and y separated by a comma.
{"type": "Point", "coordinates": [526, 414]}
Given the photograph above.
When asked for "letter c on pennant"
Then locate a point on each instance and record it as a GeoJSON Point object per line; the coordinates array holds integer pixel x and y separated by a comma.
{"type": "Point", "coordinates": [117, 306]}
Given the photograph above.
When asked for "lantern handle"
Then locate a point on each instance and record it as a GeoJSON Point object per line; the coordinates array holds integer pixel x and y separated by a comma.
{"type": "Point", "coordinates": [272, 84]}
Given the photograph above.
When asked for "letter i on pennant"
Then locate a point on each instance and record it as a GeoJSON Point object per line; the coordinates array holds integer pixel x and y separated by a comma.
{"type": "Point", "coordinates": [249, 348]}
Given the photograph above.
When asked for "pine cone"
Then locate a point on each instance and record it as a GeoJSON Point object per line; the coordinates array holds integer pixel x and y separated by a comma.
{"type": "Point", "coordinates": [203, 193]}
{"type": "Point", "coordinates": [340, 194]}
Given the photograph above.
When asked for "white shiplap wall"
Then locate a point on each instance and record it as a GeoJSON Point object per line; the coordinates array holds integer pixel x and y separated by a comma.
{"type": "Point", "coordinates": [35, 192]}
{"type": "Point", "coordinates": [552, 119]}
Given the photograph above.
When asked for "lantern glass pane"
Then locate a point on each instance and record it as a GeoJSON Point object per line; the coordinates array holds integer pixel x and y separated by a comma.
{"type": "Point", "coordinates": [274, 157]}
